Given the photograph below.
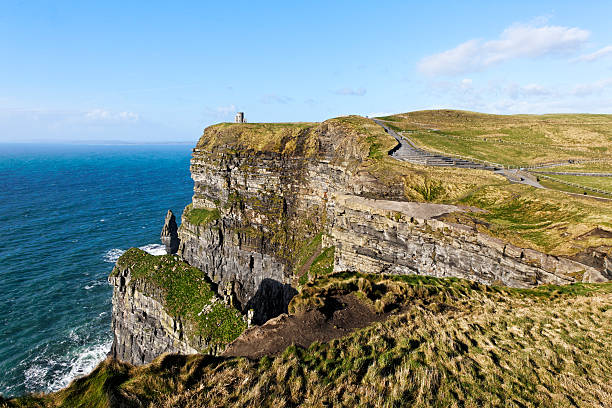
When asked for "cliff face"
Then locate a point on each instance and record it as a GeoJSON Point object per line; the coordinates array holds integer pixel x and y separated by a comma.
{"type": "Point", "coordinates": [262, 196]}
{"type": "Point", "coordinates": [162, 305]}
{"type": "Point", "coordinates": [142, 328]}
{"type": "Point", "coordinates": [272, 201]}
{"type": "Point", "coordinates": [271, 204]}
{"type": "Point", "coordinates": [380, 236]}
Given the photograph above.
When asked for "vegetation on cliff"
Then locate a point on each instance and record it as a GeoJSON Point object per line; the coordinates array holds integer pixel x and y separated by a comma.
{"type": "Point", "coordinates": [450, 342]}
{"type": "Point", "coordinates": [185, 292]}
{"type": "Point", "coordinates": [544, 220]}
{"type": "Point", "coordinates": [201, 216]}
{"type": "Point", "coordinates": [285, 138]}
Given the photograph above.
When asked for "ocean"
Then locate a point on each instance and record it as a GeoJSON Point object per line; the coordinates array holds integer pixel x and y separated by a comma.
{"type": "Point", "coordinates": [67, 212]}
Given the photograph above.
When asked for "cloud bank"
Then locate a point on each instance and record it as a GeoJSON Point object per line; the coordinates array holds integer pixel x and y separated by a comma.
{"type": "Point", "coordinates": [516, 41]}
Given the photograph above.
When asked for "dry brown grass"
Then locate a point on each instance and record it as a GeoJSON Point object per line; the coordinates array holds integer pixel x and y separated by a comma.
{"type": "Point", "coordinates": [462, 345]}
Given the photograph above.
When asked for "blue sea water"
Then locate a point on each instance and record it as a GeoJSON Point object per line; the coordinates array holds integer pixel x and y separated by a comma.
{"type": "Point", "coordinates": [66, 213]}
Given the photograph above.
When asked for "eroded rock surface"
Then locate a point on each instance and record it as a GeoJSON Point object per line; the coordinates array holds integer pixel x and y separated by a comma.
{"type": "Point", "coordinates": [169, 234]}
{"type": "Point", "coordinates": [142, 328]}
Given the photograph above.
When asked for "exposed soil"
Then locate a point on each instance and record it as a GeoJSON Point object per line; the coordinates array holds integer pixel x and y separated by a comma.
{"type": "Point", "coordinates": [597, 233]}
{"type": "Point", "coordinates": [340, 316]}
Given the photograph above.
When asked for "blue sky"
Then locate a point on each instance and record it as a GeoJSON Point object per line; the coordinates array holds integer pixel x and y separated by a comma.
{"type": "Point", "coordinates": [162, 71]}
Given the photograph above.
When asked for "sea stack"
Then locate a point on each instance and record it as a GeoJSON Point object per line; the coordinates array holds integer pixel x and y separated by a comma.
{"type": "Point", "coordinates": [169, 234]}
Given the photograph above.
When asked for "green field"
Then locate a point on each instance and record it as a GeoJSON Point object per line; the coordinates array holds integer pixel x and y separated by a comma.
{"type": "Point", "coordinates": [602, 183]}
{"type": "Point", "coordinates": [511, 140]}
{"type": "Point", "coordinates": [594, 167]}
{"type": "Point", "coordinates": [553, 184]}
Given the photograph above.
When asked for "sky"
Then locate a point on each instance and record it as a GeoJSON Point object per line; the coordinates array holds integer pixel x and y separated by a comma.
{"type": "Point", "coordinates": [152, 71]}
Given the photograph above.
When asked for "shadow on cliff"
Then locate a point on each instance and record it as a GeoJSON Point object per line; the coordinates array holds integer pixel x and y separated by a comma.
{"type": "Point", "coordinates": [271, 299]}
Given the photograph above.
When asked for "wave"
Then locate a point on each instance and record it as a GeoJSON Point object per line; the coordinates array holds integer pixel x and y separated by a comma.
{"type": "Point", "coordinates": [50, 373]}
{"type": "Point", "coordinates": [112, 255]}
{"type": "Point", "coordinates": [82, 364]}
{"type": "Point", "coordinates": [154, 249]}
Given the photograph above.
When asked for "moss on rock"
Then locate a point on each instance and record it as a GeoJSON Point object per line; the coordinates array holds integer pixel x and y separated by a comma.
{"type": "Point", "coordinates": [185, 292]}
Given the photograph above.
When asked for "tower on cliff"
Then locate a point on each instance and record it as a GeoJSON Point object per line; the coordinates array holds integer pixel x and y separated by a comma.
{"type": "Point", "coordinates": [240, 117]}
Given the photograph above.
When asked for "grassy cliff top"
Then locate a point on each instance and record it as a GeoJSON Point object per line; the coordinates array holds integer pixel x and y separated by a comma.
{"type": "Point", "coordinates": [516, 140]}
{"type": "Point", "coordinates": [545, 220]}
{"type": "Point", "coordinates": [351, 137]}
{"type": "Point", "coordinates": [272, 137]}
{"type": "Point", "coordinates": [450, 342]}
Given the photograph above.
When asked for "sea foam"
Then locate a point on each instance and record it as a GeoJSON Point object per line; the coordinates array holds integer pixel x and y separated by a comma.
{"type": "Point", "coordinates": [112, 255]}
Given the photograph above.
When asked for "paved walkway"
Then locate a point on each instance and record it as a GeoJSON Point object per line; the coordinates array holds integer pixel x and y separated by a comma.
{"type": "Point", "coordinates": [517, 176]}
{"type": "Point", "coordinates": [407, 151]}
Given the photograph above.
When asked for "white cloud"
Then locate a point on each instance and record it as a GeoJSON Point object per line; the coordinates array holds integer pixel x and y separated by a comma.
{"type": "Point", "coordinates": [350, 91]}
{"type": "Point", "coordinates": [466, 83]}
{"type": "Point", "coordinates": [220, 112]}
{"type": "Point", "coordinates": [535, 89]}
{"type": "Point", "coordinates": [603, 52]}
{"type": "Point", "coordinates": [106, 115]}
{"type": "Point", "coordinates": [503, 96]}
{"type": "Point", "coordinates": [516, 41]}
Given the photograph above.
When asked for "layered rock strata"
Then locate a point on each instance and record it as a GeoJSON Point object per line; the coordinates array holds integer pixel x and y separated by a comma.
{"type": "Point", "coordinates": [380, 236]}
{"type": "Point", "coordinates": [260, 200]}
{"type": "Point", "coordinates": [142, 328]}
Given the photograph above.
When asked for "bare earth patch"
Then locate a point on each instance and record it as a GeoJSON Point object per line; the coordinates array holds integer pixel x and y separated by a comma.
{"type": "Point", "coordinates": [340, 316]}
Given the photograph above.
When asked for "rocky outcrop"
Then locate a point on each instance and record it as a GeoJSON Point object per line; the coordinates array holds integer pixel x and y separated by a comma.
{"type": "Point", "coordinates": [260, 200]}
{"type": "Point", "coordinates": [162, 305]}
{"type": "Point", "coordinates": [380, 236]}
{"type": "Point", "coordinates": [142, 328]}
{"type": "Point", "coordinates": [169, 234]}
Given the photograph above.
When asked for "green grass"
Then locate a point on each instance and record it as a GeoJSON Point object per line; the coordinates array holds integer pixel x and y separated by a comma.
{"type": "Point", "coordinates": [515, 140]}
{"type": "Point", "coordinates": [451, 342]}
{"type": "Point", "coordinates": [185, 291]}
{"type": "Point", "coordinates": [201, 216]}
{"type": "Point", "coordinates": [602, 183]}
{"type": "Point", "coordinates": [322, 265]}
{"type": "Point", "coordinates": [305, 252]}
{"type": "Point", "coordinates": [554, 185]}
{"type": "Point", "coordinates": [284, 138]}
{"type": "Point", "coordinates": [594, 167]}
{"type": "Point", "coordinates": [545, 220]}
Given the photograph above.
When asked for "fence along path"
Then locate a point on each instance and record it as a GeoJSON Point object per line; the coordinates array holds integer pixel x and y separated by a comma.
{"type": "Point", "coordinates": [569, 183]}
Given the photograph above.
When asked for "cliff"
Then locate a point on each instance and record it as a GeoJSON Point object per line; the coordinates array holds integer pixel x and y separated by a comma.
{"type": "Point", "coordinates": [162, 305]}
{"type": "Point", "coordinates": [260, 196]}
{"type": "Point", "coordinates": [277, 205]}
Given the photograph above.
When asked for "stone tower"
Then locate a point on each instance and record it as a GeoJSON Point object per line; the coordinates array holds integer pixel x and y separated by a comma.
{"type": "Point", "coordinates": [240, 117]}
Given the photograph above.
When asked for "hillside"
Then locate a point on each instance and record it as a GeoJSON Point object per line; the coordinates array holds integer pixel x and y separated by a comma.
{"type": "Point", "coordinates": [512, 140]}
{"type": "Point", "coordinates": [448, 342]}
